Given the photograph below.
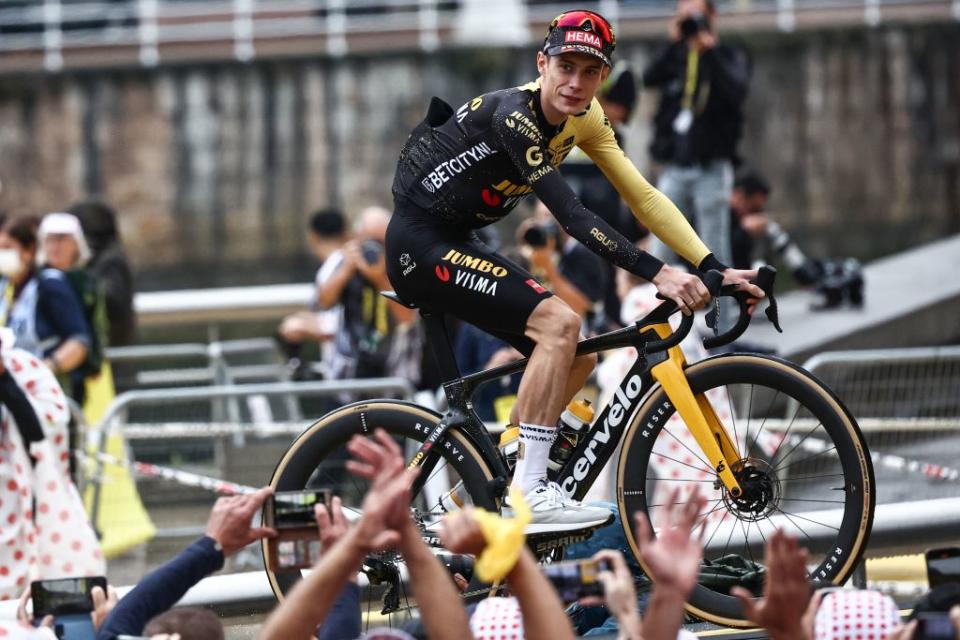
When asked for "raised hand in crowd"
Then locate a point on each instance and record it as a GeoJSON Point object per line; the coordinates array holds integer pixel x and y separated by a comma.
{"type": "Point", "coordinates": [619, 594]}
{"type": "Point", "coordinates": [673, 560]}
{"type": "Point", "coordinates": [786, 592]}
{"type": "Point", "coordinates": [231, 518]}
{"type": "Point", "coordinates": [543, 612]}
{"type": "Point", "coordinates": [384, 523]}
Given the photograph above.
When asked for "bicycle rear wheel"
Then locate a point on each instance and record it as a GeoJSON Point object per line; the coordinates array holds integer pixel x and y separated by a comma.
{"type": "Point", "coordinates": [317, 459]}
{"type": "Point", "coordinates": [804, 468]}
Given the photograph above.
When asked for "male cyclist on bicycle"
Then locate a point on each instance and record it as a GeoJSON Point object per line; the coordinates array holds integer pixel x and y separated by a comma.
{"type": "Point", "coordinates": [462, 170]}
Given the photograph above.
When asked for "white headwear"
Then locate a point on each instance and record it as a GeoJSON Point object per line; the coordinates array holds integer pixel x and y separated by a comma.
{"type": "Point", "coordinates": [65, 224]}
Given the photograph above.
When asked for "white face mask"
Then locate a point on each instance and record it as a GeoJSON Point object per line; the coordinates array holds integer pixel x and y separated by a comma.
{"type": "Point", "coordinates": [10, 263]}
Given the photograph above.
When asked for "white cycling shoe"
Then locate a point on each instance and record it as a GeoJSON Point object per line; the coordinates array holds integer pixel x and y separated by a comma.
{"type": "Point", "coordinates": [553, 511]}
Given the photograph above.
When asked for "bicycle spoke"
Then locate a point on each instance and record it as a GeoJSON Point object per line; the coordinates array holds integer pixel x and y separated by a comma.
{"type": "Point", "coordinates": [796, 412]}
{"type": "Point", "coordinates": [797, 515]}
{"type": "Point", "coordinates": [804, 478]}
{"type": "Point", "coordinates": [717, 528]}
{"type": "Point", "coordinates": [746, 541]}
{"type": "Point", "coordinates": [811, 457]}
{"type": "Point", "coordinates": [683, 444]}
{"type": "Point", "coordinates": [749, 413]}
{"type": "Point", "coordinates": [765, 416]}
{"type": "Point", "coordinates": [802, 530]}
{"type": "Point", "coordinates": [677, 479]}
{"type": "Point", "coordinates": [809, 500]}
{"type": "Point", "coordinates": [736, 438]}
{"type": "Point", "coordinates": [706, 516]}
{"type": "Point", "coordinates": [729, 538]}
{"type": "Point", "coordinates": [802, 440]}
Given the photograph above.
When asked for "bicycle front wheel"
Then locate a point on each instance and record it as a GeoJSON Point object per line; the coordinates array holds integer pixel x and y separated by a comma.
{"type": "Point", "coordinates": [803, 468]}
{"type": "Point", "coordinates": [317, 459]}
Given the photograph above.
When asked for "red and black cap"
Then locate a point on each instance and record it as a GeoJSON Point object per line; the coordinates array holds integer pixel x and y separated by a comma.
{"type": "Point", "coordinates": [580, 32]}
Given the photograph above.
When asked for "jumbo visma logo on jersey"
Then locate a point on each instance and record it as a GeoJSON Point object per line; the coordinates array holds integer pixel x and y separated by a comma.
{"type": "Point", "coordinates": [472, 262]}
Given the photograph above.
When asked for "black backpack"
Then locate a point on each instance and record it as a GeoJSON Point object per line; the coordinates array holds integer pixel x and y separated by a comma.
{"type": "Point", "coordinates": [93, 301]}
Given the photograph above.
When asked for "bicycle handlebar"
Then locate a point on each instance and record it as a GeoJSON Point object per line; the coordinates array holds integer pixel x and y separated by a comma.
{"type": "Point", "coordinates": [765, 278]}
{"type": "Point", "coordinates": [713, 281]}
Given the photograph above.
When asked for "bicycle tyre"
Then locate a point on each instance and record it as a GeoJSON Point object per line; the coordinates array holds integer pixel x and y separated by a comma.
{"type": "Point", "coordinates": [649, 439]}
{"type": "Point", "coordinates": [328, 437]}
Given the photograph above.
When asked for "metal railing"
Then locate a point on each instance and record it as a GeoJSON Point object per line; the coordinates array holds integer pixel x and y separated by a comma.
{"type": "Point", "coordinates": [145, 32]}
{"type": "Point", "coordinates": [397, 387]}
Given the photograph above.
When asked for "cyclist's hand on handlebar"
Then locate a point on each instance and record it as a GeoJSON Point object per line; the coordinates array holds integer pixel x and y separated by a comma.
{"type": "Point", "coordinates": [687, 290]}
{"type": "Point", "coordinates": [741, 279]}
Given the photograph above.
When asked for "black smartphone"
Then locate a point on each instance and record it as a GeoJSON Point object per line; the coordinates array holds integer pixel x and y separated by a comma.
{"type": "Point", "coordinates": [70, 602]}
{"type": "Point", "coordinates": [576, 579]}
{"type": "Point", "coordinates": [294, 509]}
{"type": "Point", "coordinates": [934, 625]}
{"type": "Point", "coordinates": [943, 566]}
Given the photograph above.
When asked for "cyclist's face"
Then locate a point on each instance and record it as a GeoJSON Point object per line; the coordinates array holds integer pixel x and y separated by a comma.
{"type": "Point", "coordinates": [568, 83]}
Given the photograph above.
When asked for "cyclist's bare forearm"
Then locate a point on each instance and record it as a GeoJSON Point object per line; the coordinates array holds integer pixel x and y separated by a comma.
{"type": "Point", "coordinates": [543, 613]}
{"type": "Point", "coordinates": [441, 609]}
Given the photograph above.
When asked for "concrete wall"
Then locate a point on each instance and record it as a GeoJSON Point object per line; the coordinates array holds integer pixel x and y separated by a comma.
{"type": "Point", "coordinates": [214, 168]}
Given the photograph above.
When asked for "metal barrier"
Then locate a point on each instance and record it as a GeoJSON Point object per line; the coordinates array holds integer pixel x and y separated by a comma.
{"type": "Point", "coordinates": [160, 397]}
{"type": "Point", "coordinates": [918, 383]}
{"type": "Point", "coordinates": [216, 369]}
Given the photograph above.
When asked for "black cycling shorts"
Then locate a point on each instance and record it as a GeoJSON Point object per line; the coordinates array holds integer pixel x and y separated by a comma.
{"type": "Point", "coordinates": [452, 271]}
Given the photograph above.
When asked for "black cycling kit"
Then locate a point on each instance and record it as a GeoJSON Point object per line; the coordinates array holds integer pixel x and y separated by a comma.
{"type": "Point", "coordinates": [462, 170]}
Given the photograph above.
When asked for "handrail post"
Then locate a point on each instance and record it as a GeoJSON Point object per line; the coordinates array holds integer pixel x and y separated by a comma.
{"type": "Point", "coordinates": [52, 35]}
{"type": "Point", "coordinates": [786, 17]}
{"type": "Point", "coordinates": [429, 23]}
{"type": "Point", "coordinates": [336, 28]}
{"type": "Point", "coordinates": [243, 48]}
{"type": "Point", "coordinates": [149, 33]}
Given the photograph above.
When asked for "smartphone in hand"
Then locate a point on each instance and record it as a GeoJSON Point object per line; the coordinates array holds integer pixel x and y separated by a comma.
{"type": "Point", "coordinates": [70, 602]}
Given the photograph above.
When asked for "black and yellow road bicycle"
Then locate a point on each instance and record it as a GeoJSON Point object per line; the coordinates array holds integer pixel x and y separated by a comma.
{"type": "Point", "coordinates": [769, 444]}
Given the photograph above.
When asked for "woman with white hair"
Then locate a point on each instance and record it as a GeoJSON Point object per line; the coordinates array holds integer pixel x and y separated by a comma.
{"type": "Point", "coordinates": [40, 305]}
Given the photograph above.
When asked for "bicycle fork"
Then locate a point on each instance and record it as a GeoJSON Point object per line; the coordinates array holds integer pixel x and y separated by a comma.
{"type": "Point", "coordinates": [698, 413]}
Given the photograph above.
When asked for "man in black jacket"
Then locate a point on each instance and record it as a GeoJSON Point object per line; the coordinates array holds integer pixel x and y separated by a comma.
{"type": "Point", "coordinates": [703, 85]}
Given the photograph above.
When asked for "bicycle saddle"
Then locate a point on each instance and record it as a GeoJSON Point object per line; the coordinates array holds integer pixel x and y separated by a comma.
{"type": "Point", "coordinates": [392, 295]}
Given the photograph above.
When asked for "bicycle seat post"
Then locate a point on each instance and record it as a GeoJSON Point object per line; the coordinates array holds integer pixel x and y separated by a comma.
{"type": "Point", "coordinates": [435, 326]}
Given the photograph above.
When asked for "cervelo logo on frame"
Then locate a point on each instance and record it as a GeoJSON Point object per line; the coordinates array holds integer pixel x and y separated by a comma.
{"type": "Point", "coordinates": [583, 36]}
{"type": "Point", "coordinates": [602, 433]}
{"type": "Point", "coordinates": [444, 171]}
{"type": "Point", "coordinates": [477, 264]}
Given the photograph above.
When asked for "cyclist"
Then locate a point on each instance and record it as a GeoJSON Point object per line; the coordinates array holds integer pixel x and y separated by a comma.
{"type": "Point", "coordinates": [465, 169]}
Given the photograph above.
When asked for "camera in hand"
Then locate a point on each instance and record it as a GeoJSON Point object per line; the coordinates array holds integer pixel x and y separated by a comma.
{"type": "Point", "coordinates": [291, 513]}
{"type": "Point", "coordinates": [943, 566]}
{"type": "Point", "coordinates": [694, 24]}
{"type": "Point", "coordinates": [539, 234]}
{"type": "Point", "coordinates": [576, 579]}
{"type": "Point", "coordinates": [70, 602]}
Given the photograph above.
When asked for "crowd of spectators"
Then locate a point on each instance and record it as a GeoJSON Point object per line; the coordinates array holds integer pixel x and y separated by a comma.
{"type": "Point", "coordinates": [327, 602]}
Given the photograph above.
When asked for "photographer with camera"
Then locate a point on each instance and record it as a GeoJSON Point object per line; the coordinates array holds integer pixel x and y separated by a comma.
{"type": "Point", "coordinates": [353, 277]}
{"type": "Point", "coordinates": [703, 85]}
{"type": "Point", "coordinates": [573, 272]}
